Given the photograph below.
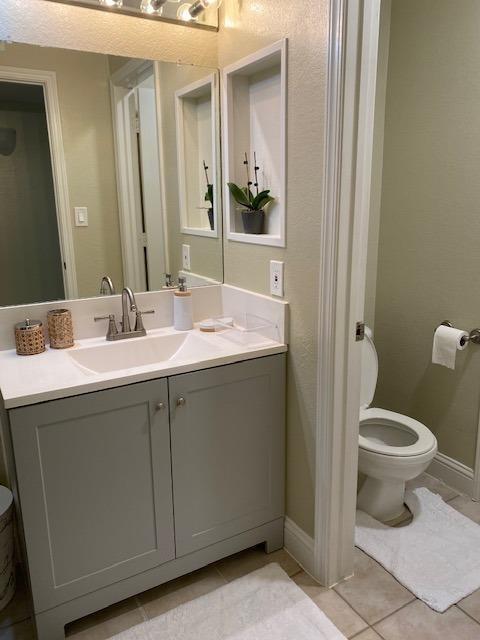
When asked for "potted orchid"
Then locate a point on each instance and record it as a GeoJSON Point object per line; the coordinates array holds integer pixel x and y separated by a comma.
{"type": "Point", "coordinates": [253, 204]}
{"type": "Point", "coordinates": [209, 197]}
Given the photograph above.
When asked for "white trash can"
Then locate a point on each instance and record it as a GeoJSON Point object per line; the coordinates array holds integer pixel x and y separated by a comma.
{"type": "Point", "coordinates": [7, 561]}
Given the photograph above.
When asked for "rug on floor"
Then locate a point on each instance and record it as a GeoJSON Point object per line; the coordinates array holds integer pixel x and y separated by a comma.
{"type": "Point", "coordinates": [264, 605]}
{"type": "Point", "coordinates": [436, 556]}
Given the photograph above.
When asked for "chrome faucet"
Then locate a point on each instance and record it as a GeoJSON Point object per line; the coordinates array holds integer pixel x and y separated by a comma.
{"type": "Point", "coordinates": [127, 296]}
{"type": "Point", "coordinates": [129, 304]}
{"type": "Point", "coordinates": [169, 282]}
{"type": "Point", "coordinates": [107, 288]}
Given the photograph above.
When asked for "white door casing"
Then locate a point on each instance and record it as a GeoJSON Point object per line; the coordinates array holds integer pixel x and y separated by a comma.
{"type": "Point", "coordinates": [352, 68]}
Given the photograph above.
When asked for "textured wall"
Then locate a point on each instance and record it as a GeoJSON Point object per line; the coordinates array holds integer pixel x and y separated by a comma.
{"type": "Point", "coordinates": [429, 258]}
{"type": "Point", "coordinates": [246, 27]}
{"type": "Point", "coordinates": [51, 24]}
{"type": "Point", "coordinates": [86, 118]}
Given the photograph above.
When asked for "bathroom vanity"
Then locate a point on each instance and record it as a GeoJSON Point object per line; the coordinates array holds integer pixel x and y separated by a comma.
{"type": "Point", "coordinates": [124, 488]}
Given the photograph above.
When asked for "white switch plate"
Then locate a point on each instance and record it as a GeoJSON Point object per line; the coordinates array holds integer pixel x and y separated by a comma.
{"type": "Point", "coordinates": [81, 217]}
{"type": "Point", "coordinates": [276, 278]}
{"type": "Point", "coordinates": [186, 256]}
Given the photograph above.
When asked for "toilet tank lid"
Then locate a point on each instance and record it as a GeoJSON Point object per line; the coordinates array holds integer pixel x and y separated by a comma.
{"type": "Point", "coordinates": [369, 370]}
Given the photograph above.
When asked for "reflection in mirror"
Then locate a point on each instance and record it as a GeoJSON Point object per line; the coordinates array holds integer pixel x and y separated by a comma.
{"type": "Point", "coordinates": [196, 115]}
{"type": "Point", "coordinates": [100, 158]}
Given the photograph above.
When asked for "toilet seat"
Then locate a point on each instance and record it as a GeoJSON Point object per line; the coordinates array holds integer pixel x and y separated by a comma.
{"type": "Point", "coordinates": [388, 420]}
{"type": "Point", "coordinates": [391, 434]}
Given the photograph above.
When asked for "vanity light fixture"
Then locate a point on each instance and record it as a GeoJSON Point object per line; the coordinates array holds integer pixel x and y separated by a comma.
{"type": "Point", "coordinates": [187, 12]}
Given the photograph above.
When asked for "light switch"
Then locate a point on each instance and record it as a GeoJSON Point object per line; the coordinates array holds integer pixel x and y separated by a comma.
{"type": "Point", "coordinates": [186, 256]}
{"type": "Point", "coordinates": [276, 278]}
{"type": "Point", "coordinates": [81, 217]}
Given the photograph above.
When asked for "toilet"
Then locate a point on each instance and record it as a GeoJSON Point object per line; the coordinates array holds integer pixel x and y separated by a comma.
{"type": "Point", "coordinates": [393, 448]}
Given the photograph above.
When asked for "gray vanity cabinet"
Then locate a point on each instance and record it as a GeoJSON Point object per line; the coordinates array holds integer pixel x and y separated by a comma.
{"type": "Point", "coordinates": [123, 489]}
{"type": "Point", "coordinates": [228, 440]}
{"type": "Point", "coordinates": [94, 480]}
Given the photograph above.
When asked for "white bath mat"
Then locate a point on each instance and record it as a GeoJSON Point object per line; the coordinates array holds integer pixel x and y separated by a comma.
{"type": "Point", "coordinates": [265, 605]}
{"type": "Point", "coordinates": [436, 556]}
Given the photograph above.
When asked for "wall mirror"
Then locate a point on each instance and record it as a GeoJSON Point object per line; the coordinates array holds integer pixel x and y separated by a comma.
{"type": "Point", "coordinates": [109, 166]}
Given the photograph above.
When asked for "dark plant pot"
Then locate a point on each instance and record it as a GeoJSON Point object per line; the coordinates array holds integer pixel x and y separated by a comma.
{"type": "Point", "coordinates": [210, 218]}
{"type": "Point", "coordinates": [253, 221]}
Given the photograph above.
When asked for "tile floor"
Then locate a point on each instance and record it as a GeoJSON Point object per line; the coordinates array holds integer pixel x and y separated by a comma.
{"type": "Point", "coordinates": [370, 606]}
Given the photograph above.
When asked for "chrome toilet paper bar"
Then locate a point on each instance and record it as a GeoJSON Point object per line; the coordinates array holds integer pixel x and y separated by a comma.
{"type": "Point", "coordinates": [474, 336]}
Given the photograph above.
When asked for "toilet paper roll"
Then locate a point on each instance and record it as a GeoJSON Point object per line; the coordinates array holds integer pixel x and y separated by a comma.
{"type": "Point", "coordinates": [446, 342]}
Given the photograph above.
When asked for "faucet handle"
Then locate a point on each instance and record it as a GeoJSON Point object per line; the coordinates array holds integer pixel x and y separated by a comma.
{"type": "Point", "coordinates": [138, 318]}
{"type": "Point", "coordinates": [112, 325]}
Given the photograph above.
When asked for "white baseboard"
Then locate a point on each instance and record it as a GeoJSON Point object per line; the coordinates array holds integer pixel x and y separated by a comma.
{"type": "Point", "coordinates": [454, 473]}
{"type": "Point", "coordinates": [299, 545]}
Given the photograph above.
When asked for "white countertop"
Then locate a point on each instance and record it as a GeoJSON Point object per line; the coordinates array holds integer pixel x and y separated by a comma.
{"type": "Point", "coordinates": [26, 380]}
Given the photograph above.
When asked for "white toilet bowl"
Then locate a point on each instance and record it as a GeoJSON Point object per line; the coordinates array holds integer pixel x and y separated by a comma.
{"type": "Point", "coordinates": [393, 448]}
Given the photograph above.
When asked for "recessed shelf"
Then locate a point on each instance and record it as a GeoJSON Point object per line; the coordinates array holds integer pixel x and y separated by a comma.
{"type": "Point", "coordinates": [254, 100]}
{"type": "Point", "coordinates": [196, 111]}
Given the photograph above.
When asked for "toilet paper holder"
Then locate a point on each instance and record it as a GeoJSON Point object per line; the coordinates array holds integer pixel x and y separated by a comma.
{"type": "Point", "coordinates": [474, 336]}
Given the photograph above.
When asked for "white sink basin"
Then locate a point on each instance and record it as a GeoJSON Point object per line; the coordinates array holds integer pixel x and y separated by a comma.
{"type": "Point", "coordinates": [143, 352]}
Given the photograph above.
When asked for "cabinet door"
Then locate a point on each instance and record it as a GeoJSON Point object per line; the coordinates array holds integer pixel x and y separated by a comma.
{"type": "Point", "coordinates": [94, 480]}
{"type": "Point", "coordinates": [228, 450]}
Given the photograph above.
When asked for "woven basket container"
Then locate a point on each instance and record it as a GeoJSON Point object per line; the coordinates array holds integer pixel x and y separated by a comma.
{"type": "Point", "coordinates": [60, 328]}
{"type": "Point", "coordinates": [29, 338]}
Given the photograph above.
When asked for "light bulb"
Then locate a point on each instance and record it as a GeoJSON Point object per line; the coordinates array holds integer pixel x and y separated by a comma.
{"type": "Point", "coordinates": [190, 12]}
{"type": "Point", "coordinates": [183, 12]}
{"type": "Point", "coordinates": [152, 7]}
{"type": "Point", "coordinates": [116, 4]}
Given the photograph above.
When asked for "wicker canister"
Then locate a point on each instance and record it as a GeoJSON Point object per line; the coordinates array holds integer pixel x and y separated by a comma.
{"type": "Point", "coordinates": [29, 337]}
{"type": "Point", "coordinates": [60, 328]}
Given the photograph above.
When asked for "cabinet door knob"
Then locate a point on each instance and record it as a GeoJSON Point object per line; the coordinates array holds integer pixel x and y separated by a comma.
{"type": "Point", "coordinates": [181, 402]}
{"type": "Point", "coordinates": [160, 406]}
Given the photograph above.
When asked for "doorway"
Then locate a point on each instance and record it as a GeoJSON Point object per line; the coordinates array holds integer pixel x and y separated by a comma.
{"type": "Point", "coordinates": [29, 235]}
{"type": "Point", "coordinates": [416, 212]}
{"type": "Point", "coordinates": [43, 84]}
{"type": "Point", "coordinates": [134, 96]}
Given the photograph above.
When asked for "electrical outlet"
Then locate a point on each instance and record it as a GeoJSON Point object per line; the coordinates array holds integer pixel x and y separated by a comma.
{"type": "Point", "coordinates": [276, 278]}
{"type": "Point", "coordinates": [186, 256]}
{"type": "Point", "coordinates": [81, 216]}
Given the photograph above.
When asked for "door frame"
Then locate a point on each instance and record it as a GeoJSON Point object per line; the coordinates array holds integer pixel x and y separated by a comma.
{"type": "Point", "coordinates": [125, 159]}
{"type": "Point", "coordinates": [126, 164]}
{"type": "Point", "coordinates": [48, 80]}
{"type": "Point", "coordinates": [351, 85]}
